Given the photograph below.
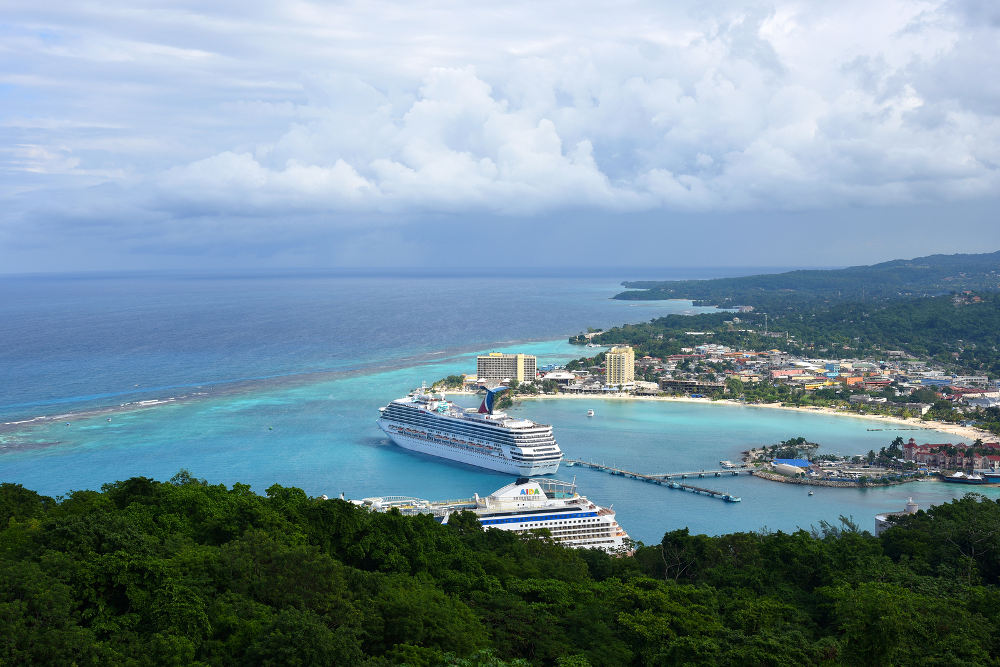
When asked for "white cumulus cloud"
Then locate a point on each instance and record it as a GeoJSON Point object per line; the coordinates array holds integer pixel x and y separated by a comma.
{"type": "Point", "coordinates": [334, 112]}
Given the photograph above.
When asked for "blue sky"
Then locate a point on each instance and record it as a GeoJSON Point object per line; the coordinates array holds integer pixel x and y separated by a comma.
{"type": "Point", "coordinates": [153, 134]}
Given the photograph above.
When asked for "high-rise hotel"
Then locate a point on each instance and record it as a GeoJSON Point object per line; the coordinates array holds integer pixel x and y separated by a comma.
{"type": "Point", "coordinates": [620, 365]}
{"type": "Point", "coordinates": [496, 367]}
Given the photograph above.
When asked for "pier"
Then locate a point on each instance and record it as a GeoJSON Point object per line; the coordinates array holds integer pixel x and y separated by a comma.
{"type": "Point", "coordinates": [664, 479]}
{"type": "Point", "coordinates": [727, 472]}
{"type": "Point", "coordinates": [904, 428]}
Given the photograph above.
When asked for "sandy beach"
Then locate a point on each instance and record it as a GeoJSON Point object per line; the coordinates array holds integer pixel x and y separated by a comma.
{"type": "Point", "coordinates": [964, 434]}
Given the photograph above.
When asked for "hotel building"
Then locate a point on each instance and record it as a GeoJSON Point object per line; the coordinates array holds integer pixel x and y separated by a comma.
{"type": "Point", "coordinates": [495, 367]}
{"type": "Point", "coordinates": [620, 365]}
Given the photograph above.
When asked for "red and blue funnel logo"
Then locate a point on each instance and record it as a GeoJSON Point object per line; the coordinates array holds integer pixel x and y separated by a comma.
{"type": "Point", "coordinates": [487, 406]}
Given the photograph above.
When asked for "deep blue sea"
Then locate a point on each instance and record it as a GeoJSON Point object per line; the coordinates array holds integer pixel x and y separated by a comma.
{"type": "Point", "coordinates": [278, 378]}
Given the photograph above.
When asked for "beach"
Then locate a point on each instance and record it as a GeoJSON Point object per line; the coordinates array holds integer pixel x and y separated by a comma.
{"type": "Point", "coordinates": [967, 434]}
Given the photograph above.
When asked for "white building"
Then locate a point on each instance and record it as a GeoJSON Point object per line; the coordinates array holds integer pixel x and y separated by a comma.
{"type": "Point", "coordinates": [562, 377]}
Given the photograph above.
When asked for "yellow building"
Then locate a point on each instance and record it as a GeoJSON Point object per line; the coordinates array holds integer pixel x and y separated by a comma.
{"type": "Point", "coordinates": [497, 367]}
{"type": "Point", "coordinates": [620, 365]}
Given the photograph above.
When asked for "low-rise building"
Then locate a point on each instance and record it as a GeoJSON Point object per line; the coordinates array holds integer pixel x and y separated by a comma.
{"type": "Point", "coordinates": [788, 469]}
{"type": "Point", "coordinates": [984, 402]}
{"type": "Point", "coordinates": [691, 386]}
{"type": "Point", "coordinates": [971, 381]}
{"type": "Point", "coordinates": [563, 377]}
{"type": "Point", "coordinates": [958, 456]}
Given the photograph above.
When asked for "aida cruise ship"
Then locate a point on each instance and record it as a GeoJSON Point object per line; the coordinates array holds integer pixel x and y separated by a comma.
{"type": "Point", "coordinates": [431, 424]}
{"type": "Point", "coordinates": [524, 506]}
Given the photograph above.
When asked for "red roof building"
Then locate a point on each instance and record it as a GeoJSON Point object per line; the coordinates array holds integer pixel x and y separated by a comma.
{"type": "Point", "coordinates": [947, 455]}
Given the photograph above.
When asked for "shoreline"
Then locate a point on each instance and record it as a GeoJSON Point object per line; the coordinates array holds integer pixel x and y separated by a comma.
{"type": "Point", "coordinates": [838, 484]}
{"type": "Point", "coordinates": [968, 433]}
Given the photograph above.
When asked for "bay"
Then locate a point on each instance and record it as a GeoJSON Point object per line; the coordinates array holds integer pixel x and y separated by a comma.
{"type": "Point", "coordinates": [279, 380]}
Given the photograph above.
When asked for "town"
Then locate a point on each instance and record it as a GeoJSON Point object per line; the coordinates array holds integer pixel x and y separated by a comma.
{"type": "Point", "coordinates": [894, 386]}
{"type": "Point", "coordinates": [913, 393]}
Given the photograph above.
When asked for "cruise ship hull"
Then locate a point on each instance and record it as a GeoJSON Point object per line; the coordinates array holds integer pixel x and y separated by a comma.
{"type": "Point", "coordinates": [524, 508]}
{"type": "Point", "coordinates": [478, 459]}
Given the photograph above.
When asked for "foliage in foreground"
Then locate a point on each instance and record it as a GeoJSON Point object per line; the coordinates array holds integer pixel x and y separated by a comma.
{"type": "Point", "coordinates": [147, 572]}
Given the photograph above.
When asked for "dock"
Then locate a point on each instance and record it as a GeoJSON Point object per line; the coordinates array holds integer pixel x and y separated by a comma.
{"type": "Point", "coordinates": [904, 428]}
{"type": "Point", "coordinates": [665, 479]}
{"type": "Point", "coordinates": [728, 472]}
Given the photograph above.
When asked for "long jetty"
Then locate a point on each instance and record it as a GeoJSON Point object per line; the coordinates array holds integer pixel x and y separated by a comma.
{"type": "Point", "coordinates": [727, 472]}
{"type": "Point", "coordinates": [664, 479]}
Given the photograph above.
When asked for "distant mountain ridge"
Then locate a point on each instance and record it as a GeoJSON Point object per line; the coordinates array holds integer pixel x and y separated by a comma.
{"type": "Point", "coordinates": [898, 278]}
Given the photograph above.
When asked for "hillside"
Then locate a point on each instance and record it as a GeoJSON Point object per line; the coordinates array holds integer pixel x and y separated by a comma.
{"type": "Point", "coordinates": [900, 278]}
{"type": "Point", "coordinates": [183, 572]}
{"type": "Point", "coordinates": [961, 331]}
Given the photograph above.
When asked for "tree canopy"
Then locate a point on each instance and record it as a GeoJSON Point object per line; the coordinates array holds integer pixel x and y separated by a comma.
{"type": "Point", "coordinates": [900, 278]}
{"type": "Point", "coordinates": [186, 572]}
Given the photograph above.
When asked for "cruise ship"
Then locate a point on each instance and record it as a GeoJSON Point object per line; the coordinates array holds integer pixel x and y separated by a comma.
{"type": "Point", "coordinates": [431, 424]}
{"type": "Point", "coordinates": [524, 506]}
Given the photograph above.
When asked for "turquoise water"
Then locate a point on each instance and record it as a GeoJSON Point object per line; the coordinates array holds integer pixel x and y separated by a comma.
{"type": "Point", "coordinates": [280, 381]}
{"type": "Point", "coordinates": [321, 436]}
{"type": "Point", "coordinates": [653, 436]}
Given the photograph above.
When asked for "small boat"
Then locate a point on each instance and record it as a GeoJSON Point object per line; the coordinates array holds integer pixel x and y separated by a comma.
{"type": "Point", "coordinates": [810, 492]}
{"type": "Point", "coordinates": [590, 413]}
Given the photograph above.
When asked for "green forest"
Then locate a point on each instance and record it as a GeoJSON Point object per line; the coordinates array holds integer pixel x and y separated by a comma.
{"type": "Point", "coordinates": [901, 278]}
{"type": "Point", "coordinates": [184, 572]}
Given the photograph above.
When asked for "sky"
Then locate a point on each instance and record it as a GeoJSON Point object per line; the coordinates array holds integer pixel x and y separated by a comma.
{"type": "Point", "coordinates": [176, 134]}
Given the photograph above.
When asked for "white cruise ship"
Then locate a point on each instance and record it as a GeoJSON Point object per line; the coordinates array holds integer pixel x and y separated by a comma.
{"type": "Point", "coordinates": [526, 505]}
{"type": "Point", "coordinates": [433, 425]}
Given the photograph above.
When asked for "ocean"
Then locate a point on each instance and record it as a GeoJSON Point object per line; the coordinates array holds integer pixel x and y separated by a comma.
{"type": "Point", "coordinates": [277, 379]}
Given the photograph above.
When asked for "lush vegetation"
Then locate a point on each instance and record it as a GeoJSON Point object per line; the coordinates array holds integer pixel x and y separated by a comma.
{"type": "Point", "coordinates": [504, 399]}
{"type": "Point", "coordinates": [449, 382]}
{"type": "Point", "coordinates": [923, 276]}
{"type": "Point", "coordinates": [989, 419]}
{"type": "Point", "coordinates": [184, 572]}
{"type": "Point", "coordinates": [959, 331]}
{"type": "Point", "coordinates": [793, 448]}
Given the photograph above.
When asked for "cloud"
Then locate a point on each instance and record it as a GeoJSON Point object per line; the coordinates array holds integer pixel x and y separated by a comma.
{"type": "Point", "coordinates": [352, 114]}
{"type": "Point", "coordinates": [238, 183]}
